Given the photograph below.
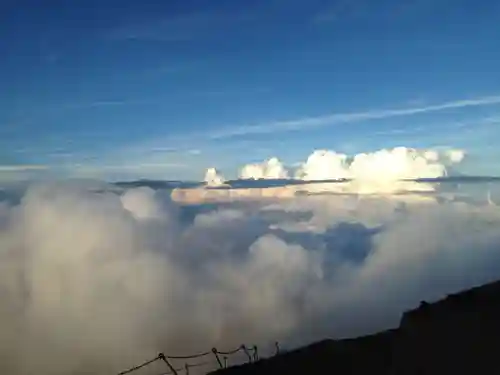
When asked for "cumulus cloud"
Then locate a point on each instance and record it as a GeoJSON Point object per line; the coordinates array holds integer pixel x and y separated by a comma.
{"type": "Point", "coordinates": [431, 155]}
{"type": "Point", "coordinates": [455, 156]}
{"type": "Point", "coordinates": [382, 171]}
{"type": "Point", "coordinates": [269, 169]}
{"type": "Point", "coordinates": [400, 163]}
{"type": "Point", "coordinates": [96, 280]}
{"type": "Point", "coordinates": [324, 165]}
{"type": "Point", "coordinates": [383, 166]}
{"type": "Point", "coordinates": [213, 177]}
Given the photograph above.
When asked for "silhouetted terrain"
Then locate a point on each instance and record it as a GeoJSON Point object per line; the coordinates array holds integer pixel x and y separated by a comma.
{"type": "Point", "coordinates": [459, 334]}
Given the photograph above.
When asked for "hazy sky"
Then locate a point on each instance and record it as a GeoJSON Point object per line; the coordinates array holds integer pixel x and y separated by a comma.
{"type": "Point", "coordinates": [164, 89]}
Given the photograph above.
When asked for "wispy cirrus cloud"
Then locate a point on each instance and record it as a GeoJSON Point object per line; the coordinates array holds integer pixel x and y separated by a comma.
{"type": "Point", "coordinates": [341, 118]}
{"type": "Point", "coordinates": [22, 168]}
{"type": "Point", "coordinates": [458, 126]}
{"type": "Point", "coordinates": [137, 166]}
{"type": "Point", "coordinates": [177, 154]}
{"type": "Point", "coordinates": [128, 170]}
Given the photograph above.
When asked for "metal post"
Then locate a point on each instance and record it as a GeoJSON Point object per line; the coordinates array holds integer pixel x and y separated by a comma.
{"type": "Point", "coordinates": [247, 353]}
{"type": "Point", "coordinates": [164, 359]}
{"type": "Point", "coordinates": [255, 354]}
{"type": "Point", "coordinates": [214, 350]}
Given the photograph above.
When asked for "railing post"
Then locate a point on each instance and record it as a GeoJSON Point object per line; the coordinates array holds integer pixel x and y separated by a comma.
{"type": "Point", "coordinates": [255, 354]}
{"type": "Point", "coordinates": [164, 359]}
{"type": "Point", "coordinates": [214, 350]}
{"type": "Point", "coordinates": [247, 353]}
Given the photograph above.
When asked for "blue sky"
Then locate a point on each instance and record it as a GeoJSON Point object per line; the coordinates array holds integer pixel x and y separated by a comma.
{"type": "Point", "coordinates": [142, 89]}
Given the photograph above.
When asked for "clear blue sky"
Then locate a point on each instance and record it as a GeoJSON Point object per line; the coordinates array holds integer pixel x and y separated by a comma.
{"type": "Point", "coordinates": [163, 89]}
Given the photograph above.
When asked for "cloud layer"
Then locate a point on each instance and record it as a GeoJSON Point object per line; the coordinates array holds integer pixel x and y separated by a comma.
{"type": "Point", "coordinates": [95, 281]}
{"type": "Point", "coordinates": [381, 171]}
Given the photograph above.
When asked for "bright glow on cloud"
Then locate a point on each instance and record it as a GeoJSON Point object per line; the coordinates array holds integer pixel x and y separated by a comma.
{"type": "Point", "coordinates": [431, 155]}
{"type": "Point", "coordinates": [400, 163]}
{"type": "Point", "coordinates": [94, 282]}
{"type": "Point", "coordinates": [213, 177]}
{"type": "Point", "coordinates": [323, 165]}
{"type": "Point", "coordinates": [456, 156]}
{"type": "Point", "coordinates": [269, 169]}
{"type": "Point", "coordinates": [383, 171]}
{"type": "Point", "coordinates": [140, 203]}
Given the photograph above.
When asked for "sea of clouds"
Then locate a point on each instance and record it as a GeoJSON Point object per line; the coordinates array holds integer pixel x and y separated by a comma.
{"type": "Point", "coordinates": [95, 279]}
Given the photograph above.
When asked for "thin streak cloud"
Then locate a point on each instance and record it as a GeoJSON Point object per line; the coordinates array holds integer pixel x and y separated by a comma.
{"type": "Point", "coordinates": [339, 118]}
{"type": "Point", "coordinates": [21, 168]}
{"type": "Point", "coordinates": [132, 166]}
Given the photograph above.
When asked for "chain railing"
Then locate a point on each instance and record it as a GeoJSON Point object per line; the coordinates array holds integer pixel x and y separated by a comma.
{"type": "Point", "coordinates": [221, 359]}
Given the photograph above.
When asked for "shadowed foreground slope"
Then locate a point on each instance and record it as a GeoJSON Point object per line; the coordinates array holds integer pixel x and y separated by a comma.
{"type": "Point", "coordinates": [459, 334]}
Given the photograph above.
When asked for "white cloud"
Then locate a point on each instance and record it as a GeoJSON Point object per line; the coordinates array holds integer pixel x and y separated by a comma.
{"type": "Point", "coordinates": [431, 155]}
{"type": "Point", "coordinates": [400, 163]}
{"type": "Point", "coordinates": [269, 169]}
{"type": "Point", "coordinates": [94, 282]}
{"type": "Point", "coordinates": [456, 156]}
{"type": "Point", "coordinates": [383, 171]}
{"type": "Point", "coordinates": [213, 177]}
{"type": "Point", "coordinates": [141, 203]}
{"type": "Point", "coordinates": [324, 165]}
